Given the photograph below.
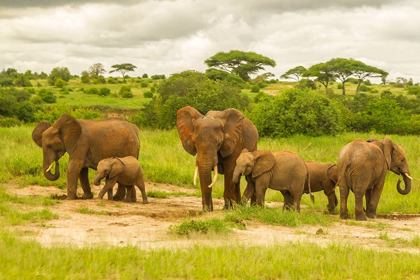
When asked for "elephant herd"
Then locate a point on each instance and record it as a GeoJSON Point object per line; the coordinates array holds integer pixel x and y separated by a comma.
{"type": "Point", "coordinates": [224, 142]}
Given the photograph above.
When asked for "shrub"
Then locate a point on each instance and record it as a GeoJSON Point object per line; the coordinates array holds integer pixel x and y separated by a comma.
{"type": "Point", "coordinates": [47, 95]}
{"type": "Point", "coordinates": [59, 73]}
{"type": "Point", "coordinates": [367, 82]}
{"type": "Point", "coordinates": [112, 80]}
{"type": "Point", "coordinates": [216, 74]}
{"type": "Point", "coordinates": [145, 76]}
{"type": "Point", "coordinates": [262, 85]}
{"type": "Point", "coordinates": [339, 86]}
{"type": "Point", "coordinates": [22, 81]}
{"type": "Point", "coordinates": [188, 88]}
{"type": "Point", "coordinates": [364, 88]}
{"type": "Point", "coordinates": [104, 91]}
{"type": "Point", "coordinates": [158, 77]}
{"type": "Point", "coordinates": [92, 91]}
{"type": "Point", "coordinates": [262, 96]}
{"type": "Point", "coordinates": [125, 92]}
{"type": "Point", "coordinates": [143, 84]}
{"type": "Point", "coordinates": [99, 80]}
{"type": "Point", "coordinates": [59, 83]}
{"type": "Point", "coordinates": [25, 111]}
{"type": "Point", "coordinates": [64, 90]}
{"type": "Point", "coordinates": [415, 90]}
{"type": "Point", "coordinates": [148, 94]}
{"type": "Point", "coordinates": [9, 122]}
{"type": "Point", "coordinates": [31, 90]}
{"type": "Point", "coordinates": [255, 88]}
{"type": "Point", "coordinates": [297, 112]}
{"type": "Point", "coordinates": [85, 77]}
{"type": "Point", "coordinates": [305, 83]}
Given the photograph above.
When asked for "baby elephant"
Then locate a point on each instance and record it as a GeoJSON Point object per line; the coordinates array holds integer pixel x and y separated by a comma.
{"type": "Point", "coordinates": [323, 177]}
{"type": "Point", "coordinates": [283, 171]}
{"type": "Point", "coordinates": [126, 171]}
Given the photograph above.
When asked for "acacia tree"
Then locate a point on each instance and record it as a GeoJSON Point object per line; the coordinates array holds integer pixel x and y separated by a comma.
{"type": "Point", "coordinates": [123, 68]}
{"type": "Point", "coordinates": [240, 63]}
{"type": "Point", "coordinates": [96, 69]}
{"type": "Point", "coordinates": [362, 71]}
{"type": "Point", "coordinates": [294, 73]}
{"type": "Point", "coordinates": [323, 73]}
{"type": "Point", "coordinates": [342, 69]}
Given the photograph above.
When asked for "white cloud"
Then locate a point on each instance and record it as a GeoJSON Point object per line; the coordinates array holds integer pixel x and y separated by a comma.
{"type": "Point", "coordinates": [164, 37]}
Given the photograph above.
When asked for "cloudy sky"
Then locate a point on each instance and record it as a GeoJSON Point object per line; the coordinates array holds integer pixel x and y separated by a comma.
{"type": "Point", "coordinates": [164, 37]}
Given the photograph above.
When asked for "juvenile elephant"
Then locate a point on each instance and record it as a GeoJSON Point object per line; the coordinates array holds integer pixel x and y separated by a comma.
{"type": "Point", "coordinates": [283, 171]}
{"type": "Point", "coordinates": [323, 177]}
{"type": "Point", "coordinates": [126, 171]}
{"type": "Point", "coordinates": [217, 139]}
{"type": "Point", "coordinates": [87, 142]}
{"type": "Point", "coordinates": [362, 167]}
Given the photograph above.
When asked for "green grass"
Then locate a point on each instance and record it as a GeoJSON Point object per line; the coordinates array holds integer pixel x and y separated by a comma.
{"type": "Point", "coordinates": [158, 194]}
{"type": "Point", "coordinates": [164, 160]}
{"type": "Point", "coordinates": [206, 226]}
{"type": "Point", "coordinates": [29, 260]}
{"type": "Point", "coordinates": [278, 216]}
{"type": "Point", "coordinates": [392, 242]}
{"type": "Point", "coordinates": [86, 210]}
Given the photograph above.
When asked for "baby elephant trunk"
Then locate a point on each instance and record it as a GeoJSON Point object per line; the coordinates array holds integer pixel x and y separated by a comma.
{"type": "Point", "coordinates": [407, 183]}
{"type": "Point", "coordinates": [97, 180]}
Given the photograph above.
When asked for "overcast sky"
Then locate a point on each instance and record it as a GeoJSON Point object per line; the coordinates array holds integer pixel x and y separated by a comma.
{"type": "Point", "coordinates": [164, 37]}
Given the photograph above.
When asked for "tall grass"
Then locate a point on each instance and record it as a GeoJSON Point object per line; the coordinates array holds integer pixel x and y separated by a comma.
{"type": "Point", "coordinates": [29, 260]}
{"type": "Point", "coordinates": [164, 160]}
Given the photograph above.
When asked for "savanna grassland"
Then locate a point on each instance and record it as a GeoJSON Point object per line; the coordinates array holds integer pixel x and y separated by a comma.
{"type": "Point", "coordinates": [49, 238]}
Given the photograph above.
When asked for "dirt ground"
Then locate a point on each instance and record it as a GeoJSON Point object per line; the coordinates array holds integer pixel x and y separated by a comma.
{"type": "Point", "coordinates": [146, 225]}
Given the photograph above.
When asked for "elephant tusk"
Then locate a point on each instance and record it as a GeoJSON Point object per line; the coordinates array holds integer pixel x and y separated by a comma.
{"type": "Point", "coordinates": [214, 177]}
{"type": "Point", "coordinates": [408, 176]}
{"type": "Point", "coordinates": [195, 175]}
{"type": "Point", "coordinates": [49, 167]}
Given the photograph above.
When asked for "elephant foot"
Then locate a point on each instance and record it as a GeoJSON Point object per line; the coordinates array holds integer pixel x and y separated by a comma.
{"type": "Point", "coordinates": [207, 208]}
{"type": "Point", "coordinates": [361, 217]}
{"type": "Point", "coordinates": [145, 202]}
{"type": "Point", "coordinates": [87, 196]}
{"type": "Point", "coordinates": [371, 215]}
{"type": "Point", "coordinates": [229, 204]}
{"type": "Point", "coordinates": [71, 197]}
{"type": "Point", "coordinates": [117, 198]}
{"type": "Point", "coordinates": [344, 216]}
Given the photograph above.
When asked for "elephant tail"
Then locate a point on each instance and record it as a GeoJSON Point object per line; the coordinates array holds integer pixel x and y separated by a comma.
{"type": "Point", "coordinates": [309, 185]}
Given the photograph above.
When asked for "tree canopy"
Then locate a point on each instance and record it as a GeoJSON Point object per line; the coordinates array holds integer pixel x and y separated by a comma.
{"type": "Point", "coordinates": [294, 73]}
{"type": "Point", "coordinates": [59, 73]}
{"type": "Point", "coordinates": [96, 69]}
{"type": "Point", "coordinates": [123, 68]}
{"type": "Point", "coordinates": [240, 63]}
{"type": "Point", "coordinates": [323, 72]}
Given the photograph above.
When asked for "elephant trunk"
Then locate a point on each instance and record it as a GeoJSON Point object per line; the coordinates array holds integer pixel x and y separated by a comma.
{"type": "Point", "coordinates": [236, 175]}
{"type": "Point", "coordinates": [407, 183]}
{"type": "Point", "coordinates": [97, 180]}
{"type": "Point", "coordinates": [47, 170]}
{"type": "Point", "coordinates": [205, 182]}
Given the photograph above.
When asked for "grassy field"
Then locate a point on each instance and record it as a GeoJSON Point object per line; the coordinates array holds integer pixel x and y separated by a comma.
{"type": "Point", "coordinates": [29, 260]}
{"type": "Point", "coordinates": [164, 160]}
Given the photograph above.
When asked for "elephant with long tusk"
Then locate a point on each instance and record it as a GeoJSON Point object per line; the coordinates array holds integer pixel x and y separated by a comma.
{"type": "Point", "coordinates": [217, 140]}
{"type": "Point", "coordinates": [362, 167]}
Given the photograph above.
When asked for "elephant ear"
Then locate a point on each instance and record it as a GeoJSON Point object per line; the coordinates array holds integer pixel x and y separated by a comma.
{"type": "Point", "coordinates": [117, 167]}
{"type": "Point", "coordinates": [332, 173]}
{"type": "Point", "coordinates": [264, 162]}
{"type": "Point", "coordinates": [185, 118]}
{"type": "Point", "coordinates": [388, 150]}
{"type": "Point", "coordinates": [70, 131]}
{"type": "Point", "coordinates": [233, 131]}
{"type": "Point", "coordinates": [38, 130]}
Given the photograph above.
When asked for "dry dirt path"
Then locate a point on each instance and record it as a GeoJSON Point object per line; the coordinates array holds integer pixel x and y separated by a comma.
{"type": "Point", "coordinates": [147, 225]}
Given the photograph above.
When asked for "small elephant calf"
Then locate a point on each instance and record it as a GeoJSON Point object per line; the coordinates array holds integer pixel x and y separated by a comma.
{"type": "Point", "coordinates": [323, 177]}
{"type": "Point", "coordinates": [126, 171]}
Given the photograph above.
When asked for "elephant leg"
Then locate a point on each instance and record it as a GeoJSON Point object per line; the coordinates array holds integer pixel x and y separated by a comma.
{"type": "Point", "coordinates": [332, 201]}
{"type": "Point", "coordinates": [261, 186]}
{"type": "Point", "coordinates": [368, 197]}
{"type": "Point", "coordinates": [84, 181]}
{"type": "Point", "coordinates": [109, 184]}
{"type": "Point", "coordinates": [129, 195]}
{"type": "Point", "coordinates": [359, 193]}
{"type": "Point", "coordinates": [142, 188]}
{"type": "Point", "coordinates": [288, 200]}
{"type": "Point", "coordinates": [73, 172]}
{"type": "Point", "coordinates": [249, 191]}
{"type": "Point", "coordinates": [120, 192]}
{"type": "Point", "coordinates": [344, 194]}
{"type": "Point", "coordinates": [376, 195]}
{"type": "Point", "coordinates": [297, 196]}
{"type": "Point", "coordinates": [232, 192]}
{"type": "Point", "coordinates": [110, 195]}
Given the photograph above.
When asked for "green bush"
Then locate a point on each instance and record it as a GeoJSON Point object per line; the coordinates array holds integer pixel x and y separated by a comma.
{"type": "Point", "coordinates": [92, 91]}
{"type": "Point", "coordinates": [145, 76]}
{"type": "Point", "coordinates": [125, 92]}
{"type": "Point", "coordinates": [9, 122]}
{"type": "Point", "coordinates": [143, 84]}
{"type": "Point", "coordinates": [255, 88]}
{"type": "Point", "coordinates": [99, 80]}
{"type": "Point", "coordinates": [59, 83]}
{"type": "Point", "coordinates": [339, 86]}
{"type": "Point", "coordinates": [188, 88]}
{"type": "Point", "coordinates": [47, 95]}
{"type": "Point", "coordinates": [59, 73]}
{"type": "Point", "coordinates": [305, 83]}
{"type": "Point", "coordinates": [104, 91]}
{"type": "Point", "coordinates": [297, 112]}
{"type": "Point", "coordinates": [364, 88]}
{"type": "Point", "coordinates": [415, 90]}
{"type": "Point", "coordinates": [148, 94]}
{"type": "Point", "coordinates": [262, 85]}
{"type": "Point", "coordinates": [235, 80]}
{"type": "Point", "coordinates": [112, 80]}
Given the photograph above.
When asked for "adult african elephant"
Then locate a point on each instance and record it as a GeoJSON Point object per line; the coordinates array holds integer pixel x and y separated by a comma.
{"type": "Point", "coordinates": [323, 177]}
{"type": "Point", "coordinates": [362, 167]}
{"type": "Point", "coordinates": [217, 139]}
{"type": "Point", "coordinates": [87, 142]}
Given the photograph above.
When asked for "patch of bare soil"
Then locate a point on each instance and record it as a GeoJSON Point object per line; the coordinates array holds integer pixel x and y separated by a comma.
{"type": "Point", "coordinates": [116, 223]}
